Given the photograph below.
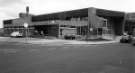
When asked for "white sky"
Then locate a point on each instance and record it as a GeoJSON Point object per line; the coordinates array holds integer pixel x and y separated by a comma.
{"type": "Point", "coordinates": [9, 9]}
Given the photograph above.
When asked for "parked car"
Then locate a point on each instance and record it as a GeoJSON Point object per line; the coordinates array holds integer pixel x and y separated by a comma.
{"type": "Point", "coordinates": [133, 37]}
{"type": "Point", "coordinates": [16, 34]}
{"type": "Point", "coordinates": [69, 37]}
{"type": "Point", "coordinates": [133, 40]}
{"type": "Point", "coordinates": [125, 38]}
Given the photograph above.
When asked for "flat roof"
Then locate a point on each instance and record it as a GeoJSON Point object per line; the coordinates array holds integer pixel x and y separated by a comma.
{"type": "Point", "coordinates": [109, 13]}
{"type": "Point", "coordinates": [61, 15]}
{"type": "Point", "coordinates": [73, 13]}
{"type": "Point", "coordinates": [77, 13]}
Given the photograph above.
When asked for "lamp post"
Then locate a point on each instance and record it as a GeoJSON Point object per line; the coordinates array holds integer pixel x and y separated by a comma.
{"type": "Point", "coordinates": [26, 33]}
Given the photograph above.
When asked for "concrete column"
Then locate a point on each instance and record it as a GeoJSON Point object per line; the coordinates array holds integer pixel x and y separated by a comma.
{"type": "Point", "coordinates": [59, 35]}
{"type": "Point", "coordinates": [124, 22]}
{"type": "Point", "coordinates": [91, 20]}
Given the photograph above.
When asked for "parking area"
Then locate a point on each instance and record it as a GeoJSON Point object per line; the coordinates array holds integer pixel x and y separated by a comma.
{"type": "Point", "coordinates": [33, 58]}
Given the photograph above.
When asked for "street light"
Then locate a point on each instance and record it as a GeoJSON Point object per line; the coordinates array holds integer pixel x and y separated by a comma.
{"type": "Point", "coordinates": [26, 27]}
{"type": "Point", "coordinates": [91, 29]}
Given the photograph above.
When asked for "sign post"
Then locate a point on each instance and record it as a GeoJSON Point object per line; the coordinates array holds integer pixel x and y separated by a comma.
{"type": "Point", "coordinates": [26, 32]}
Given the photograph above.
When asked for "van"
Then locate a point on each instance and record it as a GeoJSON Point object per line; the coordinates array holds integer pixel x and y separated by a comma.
{"type": "Point", "coordinates": [16, 34]}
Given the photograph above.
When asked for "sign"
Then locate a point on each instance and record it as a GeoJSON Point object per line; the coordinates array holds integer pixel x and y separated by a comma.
{"type": "Point", "coordinates": [26, 25]}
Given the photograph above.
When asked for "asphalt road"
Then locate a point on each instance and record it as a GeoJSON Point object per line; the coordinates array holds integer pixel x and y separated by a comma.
{"type": "Point", "coordinates": [27, 58]}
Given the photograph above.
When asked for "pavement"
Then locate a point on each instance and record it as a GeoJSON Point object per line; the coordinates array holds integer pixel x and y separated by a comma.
{"type": "Point", "coordinates": [55, 41]}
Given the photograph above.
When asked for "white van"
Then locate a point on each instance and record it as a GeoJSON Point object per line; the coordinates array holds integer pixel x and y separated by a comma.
{"type": "Point", "coordinates": [16, 34]}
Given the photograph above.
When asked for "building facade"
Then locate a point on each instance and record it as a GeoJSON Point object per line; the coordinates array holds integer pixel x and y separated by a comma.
{"type": "Point", "coordinates": [130, 23]}
{"type": "Point", "coordinates": [82, 23]}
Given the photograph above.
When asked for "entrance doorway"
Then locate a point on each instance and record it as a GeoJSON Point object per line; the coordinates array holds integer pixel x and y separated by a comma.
{"type": "Point", "coordinates": [47, 30]}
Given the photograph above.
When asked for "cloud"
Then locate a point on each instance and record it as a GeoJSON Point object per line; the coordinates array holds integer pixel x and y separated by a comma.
{"type": "Point", "coordinates": [9, 9]}
{"type": "Point", "coordinates": [49, 6]}
{"type": "Point", "coordinates": [10, 2]}
{"type": "Point", "coordinates": [3, 16]}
